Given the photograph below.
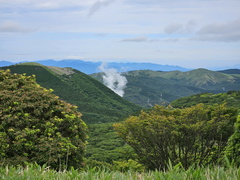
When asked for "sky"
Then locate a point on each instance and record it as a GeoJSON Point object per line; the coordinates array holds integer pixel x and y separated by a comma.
{"type": "Point", "coordinates": [187, 33]}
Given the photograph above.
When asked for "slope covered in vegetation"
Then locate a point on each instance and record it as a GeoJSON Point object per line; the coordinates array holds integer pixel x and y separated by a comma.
{"type": "Point", "coordinates": [231, 98]}
{"type": "Point", "coordinates": [147, 88]}
{"type": "Point", "coordinates": [96, 102]}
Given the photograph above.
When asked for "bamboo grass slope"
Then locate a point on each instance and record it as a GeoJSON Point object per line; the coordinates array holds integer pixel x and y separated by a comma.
{"type": "Point", "coordinates": [36, 172]}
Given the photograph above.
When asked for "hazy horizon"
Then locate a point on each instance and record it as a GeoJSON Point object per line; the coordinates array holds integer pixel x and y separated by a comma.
{"type": "Point", "coordinates": [235, 66]}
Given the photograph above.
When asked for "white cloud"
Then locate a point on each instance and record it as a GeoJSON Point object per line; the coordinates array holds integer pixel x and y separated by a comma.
{"type": "Point", "coordinates": [63, 28]}
{"type": "Point", "coordinates": [173, 28]}
{"type": "Point", "coordinates": [98, 5]}
{"type": "Point", "coordinates": [176, 28]}
{"type": "Point", "coordinates": [221, 28]}
{"type": "Point", "coordinates": [43, 5]}
{"type": "Point", "coordinates": [14, 27]}
{"type": "Point", "coordinates": [225, 32]}
{"type": "Point", "coordinates": [135, 39]}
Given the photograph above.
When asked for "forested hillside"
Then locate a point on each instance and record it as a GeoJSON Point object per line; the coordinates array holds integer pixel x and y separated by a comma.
{"type": "Point", "coordinates": [98, 104]}
{"type": "Point", "coordinates": [95, 101]}
{"type": "Point", "coordinates": [231, 98]}
{"type": "Point", "coordinates": [147, 88]}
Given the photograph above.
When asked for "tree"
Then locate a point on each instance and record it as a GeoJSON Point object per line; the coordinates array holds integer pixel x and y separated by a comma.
{"type": "Point", "coordinates": [35, 126]}
{"type": "Point", "coordinates": [195, 135]}
{"type": "Point", "coordinates": [233, 147]}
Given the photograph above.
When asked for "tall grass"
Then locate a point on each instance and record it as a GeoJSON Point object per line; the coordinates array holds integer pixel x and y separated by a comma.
{"type": "Point", "coordinates": [36, 172]}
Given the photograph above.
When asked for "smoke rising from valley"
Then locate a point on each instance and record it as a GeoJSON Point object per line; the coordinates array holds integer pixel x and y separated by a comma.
{"type": "Point", "coordinates": [113, 79]}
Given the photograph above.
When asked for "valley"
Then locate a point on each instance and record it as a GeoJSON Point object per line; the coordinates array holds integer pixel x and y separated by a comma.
{"type": "Point", "coordinates": [101, 107]}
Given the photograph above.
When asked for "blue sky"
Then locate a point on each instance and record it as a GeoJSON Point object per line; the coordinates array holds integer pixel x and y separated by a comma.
{"type": "Point", "coordinates": [187, 33]}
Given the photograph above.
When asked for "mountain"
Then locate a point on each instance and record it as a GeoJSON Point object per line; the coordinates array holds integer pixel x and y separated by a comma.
{"type": "Point", "coordinates": [89, 67]}
{"type": "Point", "coordinates": [124, 67]}
{"type": "Point", "coordinates": [231, 71]}
{"type": "Point", "coordinates": [236, 66]}
{"type": "Point", "coordinates": [5, 63]}
{"type": "Point", "coordinates": [93, 67]}
{"type": "Point", "coordinates": [147, 88]}
{"type": "Point", "coordinates": [100, 106]}
{"type": "Point", "coordinates": [86, 67]}
{"type": "Point", "coordinates": [95, 101]}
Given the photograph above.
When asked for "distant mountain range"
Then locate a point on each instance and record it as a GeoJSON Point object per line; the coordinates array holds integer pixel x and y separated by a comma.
{"type": "Point", "coordinates": [88, 67]}
{"type": "Point", "coordinates": [5, 63]}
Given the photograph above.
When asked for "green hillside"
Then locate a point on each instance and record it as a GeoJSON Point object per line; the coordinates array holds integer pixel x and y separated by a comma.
{"type": "Point", "coordinates": [100, 106]}
{"type": "Point", "coordinates": [147, 87]}
{"type": "Point", "coordinates": [203, 78]}
{"type": "Point", "coordinates": [231, 98]}
{"type": "Point", "coordinates": [97, 103]}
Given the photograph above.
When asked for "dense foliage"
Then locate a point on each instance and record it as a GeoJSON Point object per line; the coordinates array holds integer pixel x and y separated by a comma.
{"type": "Point", "coordinates": [231, 98]}
{"type": "Point", "coordinates": [233, 148]}
{"type": "Point", "coordinates": [106, 146]}
{"type": "Point", "coordinates": [196, 135]}
{"type": "Point", "coordinates": [101, 107]}
{"type": "Point", "coordinates": [35, 126]}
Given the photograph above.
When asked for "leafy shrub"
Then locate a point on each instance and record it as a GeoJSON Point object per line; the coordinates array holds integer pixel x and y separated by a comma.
{"type": "Point", "coordinates": [130, 164]}
{"type": "Point", "coordinates": [233, 148]}
{"type": "Point", "coordinates": [196, 135]}
{"type": "Point", "coordinates": [35, 126]}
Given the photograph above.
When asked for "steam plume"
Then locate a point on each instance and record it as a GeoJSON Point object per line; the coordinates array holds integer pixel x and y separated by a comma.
{"type": "Point", "coordinates": [113, 79]}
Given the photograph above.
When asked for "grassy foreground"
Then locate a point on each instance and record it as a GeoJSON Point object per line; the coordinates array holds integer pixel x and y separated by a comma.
{"type": "Point", "coordinates": [36, 172]}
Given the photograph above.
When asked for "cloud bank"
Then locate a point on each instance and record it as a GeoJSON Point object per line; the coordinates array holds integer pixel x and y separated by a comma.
{"type": "Point", "coordinates": [13, 27]}
{"type": "Point", "coordinates": [224, 32]}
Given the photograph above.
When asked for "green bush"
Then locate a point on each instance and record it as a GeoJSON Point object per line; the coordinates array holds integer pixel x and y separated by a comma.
{"type": "Point", "coordinates": [35, 126]}
{"type": "Point", "coordinates": [130, 164]}
{"type": "Point", "coordinates": [192, 136]}
{"type": "Point", "coordinates": [233, 149]}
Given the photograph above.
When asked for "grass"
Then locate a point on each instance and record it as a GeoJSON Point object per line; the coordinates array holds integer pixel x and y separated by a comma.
{"type": "Point", "coordinates": [36, 172]}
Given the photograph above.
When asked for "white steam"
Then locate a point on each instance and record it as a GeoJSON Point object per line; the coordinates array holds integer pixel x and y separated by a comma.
{"type": "Point", "coordinates": [113, 79]}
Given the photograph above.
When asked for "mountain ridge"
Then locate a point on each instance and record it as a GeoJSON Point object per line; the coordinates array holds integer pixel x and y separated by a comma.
{"type": "Point", "coordinates": [89, 67]}
{"type": "Point", "coordinates": [146, 87]}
